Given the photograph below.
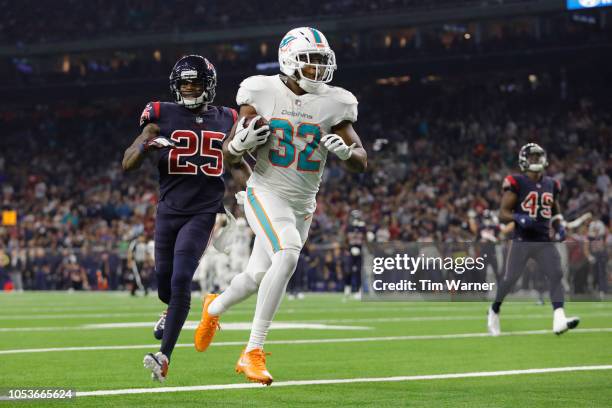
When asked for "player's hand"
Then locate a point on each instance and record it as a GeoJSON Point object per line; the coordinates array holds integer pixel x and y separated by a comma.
{"type": "Point", "coordinates": [335, 143]}
{"type": "Point", "coordinates": [524, 220]}
{"type": "Point", "coordinates": [240, 196]}
{"type": "Point", "coordinates": [248, 137]}
{"type": "Point", "coordinates": [560, 234]}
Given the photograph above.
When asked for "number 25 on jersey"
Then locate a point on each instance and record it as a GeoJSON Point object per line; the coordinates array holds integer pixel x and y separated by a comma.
{"type": "Point", "coordinates": [201, 145]}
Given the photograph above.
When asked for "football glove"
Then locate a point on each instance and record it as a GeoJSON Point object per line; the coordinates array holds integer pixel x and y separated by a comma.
{"type": "Point", "coordinates": [158, 142]}
{"type": "Point", "coordinates": [334, 143]}
{"type": "Point", "coordinates": [240, 197]}
{"type": "Point", "coordinates": [560, 234]}
{"type": "Point", "coordinates": [248, 137]}
{"type": "Point", "coordinates": [524, 220]}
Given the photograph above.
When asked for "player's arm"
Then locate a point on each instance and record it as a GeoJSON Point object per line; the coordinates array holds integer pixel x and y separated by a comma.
{"type": "Point", "coordinates": [557, 221]}
{"type": "Point", "coordinates": [508, 202]}
{"type": "Point", "coordinates": [241, 138]}
{"type": "Point", "coordinates": [134, 155]}
{"type": "Point", "coordinates": [241, 171]}
{"type": "Point", "coordinates": [347, 146]}
{"type": "Point", "coordinates": [557, 217]}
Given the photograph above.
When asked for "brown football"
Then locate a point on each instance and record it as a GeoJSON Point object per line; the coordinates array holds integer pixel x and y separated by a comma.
{"type": "Point", "coordinates": [261, 122]}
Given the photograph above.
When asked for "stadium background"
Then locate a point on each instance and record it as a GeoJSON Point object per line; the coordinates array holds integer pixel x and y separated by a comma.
{"type": "Point", "coordinates": [448, 91]}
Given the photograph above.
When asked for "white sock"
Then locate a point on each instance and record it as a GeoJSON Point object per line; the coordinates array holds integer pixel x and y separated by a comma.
{"type": "Point", "coordinates": [559, 313]}
{"type": "Point", "coordinates": [271, 291]}
{"type": "Point", "coordinates": [240, 288]}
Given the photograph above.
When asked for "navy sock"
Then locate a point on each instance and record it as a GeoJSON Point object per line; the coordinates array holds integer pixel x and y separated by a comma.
{"type": "Point", "coordinates": [178, 309]}
{"type": "Point", "coordinates": [557, 305]}
{"type": "Point", "coordinates": [495, 306]}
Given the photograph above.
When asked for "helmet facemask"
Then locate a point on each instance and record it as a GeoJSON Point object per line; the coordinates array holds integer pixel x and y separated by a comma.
{"type": "Point", "coordinates": [527, 155]}
{"type": "Point", "coordinates": [196, 69]}
{"type": "Point", "coordinates": [304, 55]}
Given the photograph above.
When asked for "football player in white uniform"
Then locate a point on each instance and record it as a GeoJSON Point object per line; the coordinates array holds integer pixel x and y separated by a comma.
{"type": "Point", "coordinates": [307, 119]}
{"type": "Point", "coordinates": [240, 250]}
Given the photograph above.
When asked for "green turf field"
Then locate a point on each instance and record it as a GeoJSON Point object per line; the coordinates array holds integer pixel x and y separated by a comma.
{"type": "Point", "coordinates": [385, 345]}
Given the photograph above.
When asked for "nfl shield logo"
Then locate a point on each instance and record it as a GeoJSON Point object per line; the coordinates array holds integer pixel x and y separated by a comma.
{"type": "Point", "coordinates": [199, 120]}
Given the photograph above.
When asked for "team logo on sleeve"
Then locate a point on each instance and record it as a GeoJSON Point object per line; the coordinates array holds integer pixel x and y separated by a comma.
{"type": "Point", "coordinates": [146, 114]}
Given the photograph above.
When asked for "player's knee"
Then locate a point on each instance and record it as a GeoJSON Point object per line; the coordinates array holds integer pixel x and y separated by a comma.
{"type": "Point", "coordinates": [255, 273]}
{"type": "Point", "coordinates": [290, 237]}
{"type": "Point", "coordinates": [246, 281]}
{"type": "Point", "coordinates": [163, 294]}
{"type": "Point", "coordinates": [289, 258]}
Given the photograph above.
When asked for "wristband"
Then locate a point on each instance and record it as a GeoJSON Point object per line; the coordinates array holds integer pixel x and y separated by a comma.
{"type": "Point", "coordinates": [557, 217]}
{"type": "Point", "coordinates": [233, 150]}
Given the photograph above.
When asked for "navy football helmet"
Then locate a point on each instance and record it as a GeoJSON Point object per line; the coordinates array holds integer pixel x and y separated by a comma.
{"type": "Point", "coordinates": [526, 164]}
{"type": "Point", "coordinates": [193, 68]}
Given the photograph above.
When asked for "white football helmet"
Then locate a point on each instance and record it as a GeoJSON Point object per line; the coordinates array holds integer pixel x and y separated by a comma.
{"type": "Point", "coordinates": [307, 46]}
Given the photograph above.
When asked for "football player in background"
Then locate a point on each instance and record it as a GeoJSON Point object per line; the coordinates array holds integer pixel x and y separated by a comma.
{"type": "Point", "coordinates": [187, 135]}
{"type": "Point", "coordinates": [241, 247]}
{"type": "Point", "coordinates": [597, 253]}
{"type": "Point", "coordinates": [307, 120]}
{"type": "Point", "coordinates": [355, 237]}
{"type": "Point", "coordinates": [214, 263]}
{"type": "Point", "coordinates": [531, 200]}
{"type": "Point", "coordinates": [485, 227]}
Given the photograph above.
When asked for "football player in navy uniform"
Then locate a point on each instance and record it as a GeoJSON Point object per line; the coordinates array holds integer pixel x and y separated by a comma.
{"type": "Point", "coordinates": [485, 226]}
{"type": "Point", "coordinates": [531, 200]}
{"type": "Point", "coordinates": [355, 236]}
{"type": "Point", "coordinates": [187, 136]}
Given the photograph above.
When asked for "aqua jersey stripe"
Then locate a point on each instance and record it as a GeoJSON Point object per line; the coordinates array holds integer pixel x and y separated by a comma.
{"type": "Point", "coordinates": [317, 35]}
{"type": "Point", "coordinates": [263, 220]}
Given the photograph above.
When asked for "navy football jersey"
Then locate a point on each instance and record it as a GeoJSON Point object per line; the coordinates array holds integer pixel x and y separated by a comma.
{"type": "Point", "coordinates": [355, 235]}
{"type": "Point", "coordinates": [535, 198]}
{"type": "Point", "coordinates": [190, 174]}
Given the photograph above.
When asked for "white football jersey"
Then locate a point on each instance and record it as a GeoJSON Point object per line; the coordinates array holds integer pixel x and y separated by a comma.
{"type": "Point", "coordinates": [291, 163]}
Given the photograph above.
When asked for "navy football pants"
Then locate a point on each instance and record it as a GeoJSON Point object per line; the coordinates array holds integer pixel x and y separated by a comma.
{"type": "Point", "coordinates": [548, 260]}
{"type": "Point", "coordinates": [180, 241]}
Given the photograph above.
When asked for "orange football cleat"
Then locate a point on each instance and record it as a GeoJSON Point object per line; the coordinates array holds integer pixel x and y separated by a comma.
{"type": "Point", "coordinates": [208, 326]}
{"type": "Point", "coordinates": [253, 365]}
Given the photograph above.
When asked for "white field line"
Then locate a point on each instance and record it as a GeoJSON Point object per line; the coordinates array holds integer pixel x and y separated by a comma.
{"type": "Point", "coordinates": [356, 307]}
{"type": "Point", "coordinates": [192, 324]}
{"type": "Point", "coordinates": [477, 374]}
{"type": "Point", "coordinates": [189, 325]}
{"type": "Point", "coordinates": [67, 316]}
{"type": "Point", "coordinates": [308, 341]}
{"type": "Point", "coordinates": [8, 312]}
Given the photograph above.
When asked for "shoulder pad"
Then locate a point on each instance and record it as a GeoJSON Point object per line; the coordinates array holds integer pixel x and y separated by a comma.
{"type": "Point", "coordinates": [255, 83]}
{"type": "Point", "coordinates": [510, 182]}
{"type": "Point", "coordinates": [151, 113]}
{"type": "Point", "coordinates": [342, 95]}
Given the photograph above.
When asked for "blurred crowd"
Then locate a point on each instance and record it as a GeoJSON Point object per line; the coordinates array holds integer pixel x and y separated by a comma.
{"type": "Point", "coordinates": [31, 21]}
{"type": "Point", "coordinates": [407, 45]}
{"type": "Point", "coordinates": [437, 150]}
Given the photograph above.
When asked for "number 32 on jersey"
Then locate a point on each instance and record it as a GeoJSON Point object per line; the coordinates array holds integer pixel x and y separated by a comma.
{"type": "Point", "coordinates": [283, 154]}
